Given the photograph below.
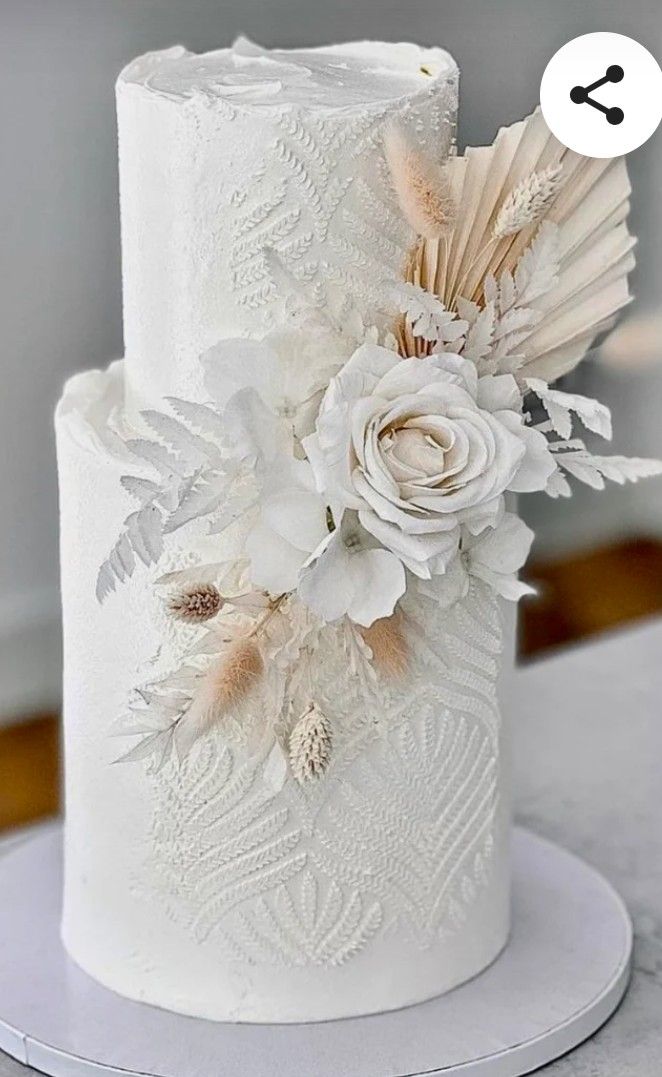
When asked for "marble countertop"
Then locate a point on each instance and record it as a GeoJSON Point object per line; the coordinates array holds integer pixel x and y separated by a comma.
{"type": "Point", "coordinates": [587, 739]}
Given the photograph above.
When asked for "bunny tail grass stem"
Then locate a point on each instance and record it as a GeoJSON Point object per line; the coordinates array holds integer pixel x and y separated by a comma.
{"type": "Point", "coordinates": [386, 639]}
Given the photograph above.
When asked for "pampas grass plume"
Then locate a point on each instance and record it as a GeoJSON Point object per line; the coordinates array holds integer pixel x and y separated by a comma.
{"type": "Point", "coordinates": [386, 639]}
{"type": "Point", "coordinates": [420, 184]}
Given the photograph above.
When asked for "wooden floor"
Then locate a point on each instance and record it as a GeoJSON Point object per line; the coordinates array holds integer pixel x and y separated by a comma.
{"type": "Point", "coordinates": [577, 598]}
{"type": "Point", "coordinates": [29, 770]}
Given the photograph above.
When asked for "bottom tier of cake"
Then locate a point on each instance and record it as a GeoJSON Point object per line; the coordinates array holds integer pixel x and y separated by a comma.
{"type": "Point", "coordinates": [221, 887]}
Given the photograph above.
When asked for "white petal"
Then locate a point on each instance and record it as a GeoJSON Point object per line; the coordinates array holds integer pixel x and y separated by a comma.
{"type": "Point", "coordinates": [509, 587]}
{"type": "Point", "coordinates": [329, 453]}
{"type": "Point", "coordinates": [448, 588]}
{"type": "Point", "coordinates": [297, 516]}
{"type": "Point", "coordinates": [538, 462]}
{"type": "Point", "coordinates": [499, 393]}
{"type": "Point", "coordinates": [253, 429]}
{"type": "Point", "coordinates": [486, 515]}
{"type": "Point", "coordinates": [415, 551]}
{"type": "Point", "coordinates": [379, 581]}
{"type": "Point", "coordinates": [505, 548]}
{"type": "Point", "coordinates": [361, 373]}
{"type": "Point", "coordinates": [275, 563]}
{"type": "Point", "coordinates": [326, 585]}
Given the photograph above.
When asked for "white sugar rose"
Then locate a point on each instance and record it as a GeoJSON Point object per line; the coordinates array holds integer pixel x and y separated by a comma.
{"type": "Point", "coordinates": [421, 447]}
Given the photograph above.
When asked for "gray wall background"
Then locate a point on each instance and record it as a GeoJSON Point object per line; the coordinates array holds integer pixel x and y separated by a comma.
{"type": "Point", "coordinates": [60, 305]}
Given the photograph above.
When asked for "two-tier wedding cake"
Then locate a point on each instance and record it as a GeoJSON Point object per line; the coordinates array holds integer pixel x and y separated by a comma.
{"type": "Point", "coordinates": [289, 526]}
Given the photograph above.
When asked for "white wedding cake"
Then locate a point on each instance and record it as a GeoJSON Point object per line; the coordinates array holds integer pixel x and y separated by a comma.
{"type": "Point", "coordinates": [288, 526]}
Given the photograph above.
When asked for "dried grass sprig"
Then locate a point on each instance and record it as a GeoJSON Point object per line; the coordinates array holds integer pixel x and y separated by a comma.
{"type": "Point", "coordinates": [388, 643]}
{"type": "Point", "coordinates": [421, 186]}
{"type": "Point", "coordinates": [527, 202]}
{"type": "Point", "coordinates": [236, 673]}
{"type": "Point", "coordinates": [227, 683]}
{"type": "Point", "coordinates": [196, 603]}
{"type": "Point", "coordinates": [310, 745]}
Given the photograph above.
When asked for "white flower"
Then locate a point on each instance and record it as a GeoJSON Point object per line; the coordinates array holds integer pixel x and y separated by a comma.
{"type": "Point", "coordinates": [346, 576]}
{"type": "Point", "coordinates": [287, 370]}
{"type": "Point", "coordinates": [292, 526]}
{"type": "Point", "coordinates": [421, 447]}
{"type": "Point", "coordinates": [497, 555]}
{"type": "Point", "coordinates": [336, 573]}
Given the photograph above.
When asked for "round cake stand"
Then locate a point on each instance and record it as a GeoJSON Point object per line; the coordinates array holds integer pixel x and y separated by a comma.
{"type": "Point", "coordinates": [561, 976]}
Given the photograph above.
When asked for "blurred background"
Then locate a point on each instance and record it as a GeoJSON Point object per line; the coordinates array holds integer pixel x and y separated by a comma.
{"type": "Point", "coordinates": [597, 558]}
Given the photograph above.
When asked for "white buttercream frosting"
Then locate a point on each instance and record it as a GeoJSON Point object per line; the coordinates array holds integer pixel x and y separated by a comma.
{"type": "Point", "coordinates": [220, 887]}
{"type": "Point", "coordinates": [356, 74]}
{"type": "Point", "coordinates": [233, 157]}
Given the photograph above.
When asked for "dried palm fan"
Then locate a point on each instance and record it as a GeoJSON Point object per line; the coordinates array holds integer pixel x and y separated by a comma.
{"type": "Point", "coordinates": [587, 198]}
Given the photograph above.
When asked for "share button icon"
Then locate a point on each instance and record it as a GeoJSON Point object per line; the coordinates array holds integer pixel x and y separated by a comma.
{"type": "Point", "coordinates": [581, 95]}
{"type": "Point", "coordinates": [604, 116]}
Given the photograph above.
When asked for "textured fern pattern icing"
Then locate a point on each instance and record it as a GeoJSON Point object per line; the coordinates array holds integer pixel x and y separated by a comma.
{"type": "Point", "coordinates": [399, 836]}
{"type": "Point", "coordinates": [320, 184]}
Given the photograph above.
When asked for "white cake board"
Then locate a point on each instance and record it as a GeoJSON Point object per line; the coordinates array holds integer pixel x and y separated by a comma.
{"type": "Point", "coordinates": [561, 976]}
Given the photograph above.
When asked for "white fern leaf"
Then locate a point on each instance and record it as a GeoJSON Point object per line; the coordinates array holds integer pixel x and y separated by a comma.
{"type": "Point", "coordinates": [480, 335]}
{"type": "Point", "coordinates": [145, 533]}
{"type": "Point", "coordinates": [141, 489]}
{"type": "Point", "coordinates": [467, 309]}
{"type": "Point", "coordinates": [106, 582]}
{"type": "Point", "coordinates": [558, 485]}
{"type": "Point", "coordinates": [490, 289]}
{"type": "Point", "coordinates": [622, 469]}
{"type": "Point", "coordinates": [514, 320]}
{"type": "Point", "coordinates": [428, 316]}
{"type": "Point", "coordinates": [156, 747]}
{"type": "Point", "coordinates": [507, 292]}
{"type": "Point", "coordinates": [580, 466]}
{"type": "Point", "coordinates": [233, 507]}
{"type": "Point", "coordinates": [537, 271]}
{"type": "Point", "coordinates": [189, 447]}
{"type": "Point", "coordinates": [142, 536]}
{"type": "Point", "coordinates": [161, 459]}
{"type": "Point", "coordinates": [203, 497]}
{"type": "Point", "coordinates": [574, 457]}
{"type": "Point", "coordinates": [200, 417]}
{"type": "Point", "coordinates": [561, 406]}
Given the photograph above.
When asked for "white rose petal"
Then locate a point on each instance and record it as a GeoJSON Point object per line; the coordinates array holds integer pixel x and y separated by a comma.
{"type": "Point", "coordinates": [420, 447]}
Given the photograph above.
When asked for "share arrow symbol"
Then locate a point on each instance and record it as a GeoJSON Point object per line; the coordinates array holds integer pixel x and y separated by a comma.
{"type": "Point", "coordinates": [581, 94]}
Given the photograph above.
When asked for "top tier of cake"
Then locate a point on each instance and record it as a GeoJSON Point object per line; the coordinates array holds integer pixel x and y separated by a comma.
{"type": "Point", "coordinates": [249, 177]}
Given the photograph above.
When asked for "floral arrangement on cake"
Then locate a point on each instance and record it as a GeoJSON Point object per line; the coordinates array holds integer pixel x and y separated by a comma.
{"type": "Point", "coordinates": [358, 464]}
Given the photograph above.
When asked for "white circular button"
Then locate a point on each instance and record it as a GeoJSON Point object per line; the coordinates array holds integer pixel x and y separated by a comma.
{"type": "Point", "coordinates": [601, 94]}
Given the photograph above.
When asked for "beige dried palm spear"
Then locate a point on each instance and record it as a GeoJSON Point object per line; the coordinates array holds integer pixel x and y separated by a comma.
{"type": "Point", "coordinates": [587, 198]}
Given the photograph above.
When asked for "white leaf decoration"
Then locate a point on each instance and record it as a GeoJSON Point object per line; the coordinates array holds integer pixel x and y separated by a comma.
{"type": "Point", "coordinates": [428, 315]}
{"type": "Point", "coordinates": [537, 271]}
{"type": "Point", "coordinates": [593, 470]}
{"type": "Point", "coordinates": [560, 407]}
{"type": "Point", "coordinates": [480, 335]}
{"type": "Point", "coordinates": [191, 448]}
{"type": "Point", "coordinates": [622, 469]}
{"type": "Point", "coordinates": [194, 480]}
{"type": "Point", "coordinates": [558, 485]}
